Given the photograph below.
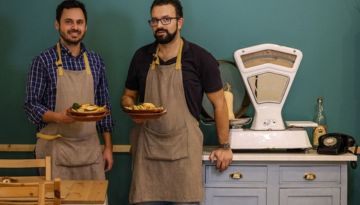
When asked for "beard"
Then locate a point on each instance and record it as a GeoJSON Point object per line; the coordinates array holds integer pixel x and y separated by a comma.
{"type": "Point", "coordinates": [70, 40]}
{"type": "Point", "coordinates": [165, 39]}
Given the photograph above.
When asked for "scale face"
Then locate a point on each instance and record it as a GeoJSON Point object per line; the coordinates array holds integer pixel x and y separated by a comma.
{"type": "Point", "coordinates": [268, 87]}
{"type": "Point", "coordinates": [268, 71]}
{"type": "Point", "coordinates": [268, 56]}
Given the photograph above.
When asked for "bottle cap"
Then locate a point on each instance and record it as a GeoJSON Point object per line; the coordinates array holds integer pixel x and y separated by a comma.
{"type": "Point", "coordinates": [319, 100]}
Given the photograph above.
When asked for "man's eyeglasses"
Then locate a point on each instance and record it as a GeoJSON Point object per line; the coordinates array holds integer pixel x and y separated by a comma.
{"type": "Point", "coordinates": [164, 21]}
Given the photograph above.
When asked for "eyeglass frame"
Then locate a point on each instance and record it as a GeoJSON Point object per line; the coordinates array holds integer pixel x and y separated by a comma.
{"type": "Point", "coordinates": [157, 20]}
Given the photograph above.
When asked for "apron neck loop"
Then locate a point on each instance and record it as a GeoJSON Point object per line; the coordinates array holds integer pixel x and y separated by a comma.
{"type": "Point", "coordinates": [59, 62]}
{"type": "Point", "coordinates": [156, 60]}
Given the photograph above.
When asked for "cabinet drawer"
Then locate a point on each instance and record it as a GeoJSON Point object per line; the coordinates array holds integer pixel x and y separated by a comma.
{"type": "Point", "coordinates": [308, 196]}
{"type": "Point", "coordinates": [235, 196]}
{"type": "Point", "coordinates": [321, 174]}
{"type": "Point", "coordinates": [249, 174]}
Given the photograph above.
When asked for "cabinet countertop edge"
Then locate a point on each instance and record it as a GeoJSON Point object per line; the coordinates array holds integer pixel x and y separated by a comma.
{"type": "Point", "coordinates": [284, 156]}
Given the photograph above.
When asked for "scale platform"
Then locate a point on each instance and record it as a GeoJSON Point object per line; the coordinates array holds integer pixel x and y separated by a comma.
{"type": "Point", "coordinates": [250, 139]}
{"type": "Point", "coordinates": [268, 71]}
{"type": "Point", "coordinates": [269, 140]}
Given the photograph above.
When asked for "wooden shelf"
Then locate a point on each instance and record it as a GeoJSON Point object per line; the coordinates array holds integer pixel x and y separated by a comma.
{"type": "Point", "coordinates": [116, 148]}
{"type": "Point", "coordinates": [31, 147]}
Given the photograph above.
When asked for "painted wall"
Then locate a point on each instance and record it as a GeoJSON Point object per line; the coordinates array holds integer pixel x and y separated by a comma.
{"type": "Point", "coordinates": [326, 31]}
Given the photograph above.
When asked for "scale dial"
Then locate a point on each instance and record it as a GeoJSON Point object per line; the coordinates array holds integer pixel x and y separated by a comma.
{"type": "Point", "coordinates": [268, 56]}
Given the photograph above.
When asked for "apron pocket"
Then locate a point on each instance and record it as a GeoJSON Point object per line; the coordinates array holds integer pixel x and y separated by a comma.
{"type": "Point", "coordinates": [75, 152]}
{"type": "Point", "coordinates": [168, 147]}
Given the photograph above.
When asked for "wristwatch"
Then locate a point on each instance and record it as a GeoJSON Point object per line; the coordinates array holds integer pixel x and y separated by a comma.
{"type": "Point", "coordinates": [225, 146]}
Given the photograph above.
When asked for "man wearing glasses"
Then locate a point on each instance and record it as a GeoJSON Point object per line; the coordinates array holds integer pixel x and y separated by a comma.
{"type": "Point", "coordinates": [173, 73]}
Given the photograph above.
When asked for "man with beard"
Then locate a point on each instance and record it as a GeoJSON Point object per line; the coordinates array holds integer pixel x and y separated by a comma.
{"type": "Point", "coordinates": [173, 73]}
{"type": "Point", "coordinates": [58, 77]}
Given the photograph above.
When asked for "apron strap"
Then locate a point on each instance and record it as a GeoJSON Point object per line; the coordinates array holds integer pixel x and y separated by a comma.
{"type": "Point", "coordinates": [59, 62]}
{"type": "Point", "coordinates": [87, 66]}
{"type": "Point", "coordinates": [178, 59]}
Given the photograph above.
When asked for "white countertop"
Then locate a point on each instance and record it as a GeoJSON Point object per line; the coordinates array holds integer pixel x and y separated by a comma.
{"type": "Point", "coordinates": [282, 156]}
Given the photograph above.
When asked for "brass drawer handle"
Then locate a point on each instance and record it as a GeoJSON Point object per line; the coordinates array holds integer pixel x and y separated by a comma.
{"type": "Point", "coordinates": [236, 175]}
{"type": "Point", "coordinates": [309, 176]}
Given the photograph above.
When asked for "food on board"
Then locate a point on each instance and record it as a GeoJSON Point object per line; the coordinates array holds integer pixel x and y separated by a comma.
{"type": "Point", "coordinates": [145, 106]}
{"type": "Point", "coordinates": [87, 108]}
{"type": "Point", "coordinates": [75, 106]}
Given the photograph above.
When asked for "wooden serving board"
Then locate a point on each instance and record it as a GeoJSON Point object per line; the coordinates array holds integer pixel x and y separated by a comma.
{"type": "Point", "coordinates": [72, 191]}
{"type": "Point", "coordinates": [90, 191]}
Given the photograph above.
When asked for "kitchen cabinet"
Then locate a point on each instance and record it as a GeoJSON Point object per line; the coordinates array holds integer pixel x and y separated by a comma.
{"type": "Point", "coordinates": [273, 178]}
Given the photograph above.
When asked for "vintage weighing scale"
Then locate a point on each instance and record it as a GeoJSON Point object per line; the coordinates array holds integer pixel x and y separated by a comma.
{"type": "Point", "coordinates": [268, 72]}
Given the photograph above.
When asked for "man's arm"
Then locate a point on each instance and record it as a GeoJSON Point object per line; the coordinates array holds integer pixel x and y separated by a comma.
{"type": "Point", "coordinates": [108, 151]}
{"type": "Point", "coordinates": [224, 157]}
{"type": "Point", "coordinates": [57, 117]}
{"type": "Point", "coordinates": [35, 91]}
{"type": "Point", "coordinates": [106, 125]}
{"type": "Point", "coordinates": [128, 98]}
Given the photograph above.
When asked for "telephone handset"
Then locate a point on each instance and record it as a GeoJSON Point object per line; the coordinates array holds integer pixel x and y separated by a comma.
{"type": "Point", "coordinates": [336, 143]}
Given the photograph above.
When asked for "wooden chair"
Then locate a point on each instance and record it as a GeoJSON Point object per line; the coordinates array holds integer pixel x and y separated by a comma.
{"type": "Point", "coordinates": [29, 163]}
{"type": "Point", "coordinates": [30, 193]}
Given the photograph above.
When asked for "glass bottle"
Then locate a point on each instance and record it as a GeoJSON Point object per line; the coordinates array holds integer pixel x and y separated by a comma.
{"type": "Point", "coordinates": [321, 121]}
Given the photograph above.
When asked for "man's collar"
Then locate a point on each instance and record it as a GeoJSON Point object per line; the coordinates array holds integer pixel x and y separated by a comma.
{"type": "Point", "coordinates": [64, 49]}
{"type": "Point", "coordinates": [153, 46]}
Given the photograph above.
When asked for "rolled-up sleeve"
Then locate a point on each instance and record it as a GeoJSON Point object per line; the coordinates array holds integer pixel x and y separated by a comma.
{"type": "Point", "coordinates": [102, 98]}
{"type": "Point", "coordinates": [35, 89]}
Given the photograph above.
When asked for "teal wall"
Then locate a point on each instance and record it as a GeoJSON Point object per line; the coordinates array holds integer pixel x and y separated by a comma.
{"type": "Point", "coordinates": [326, 31]}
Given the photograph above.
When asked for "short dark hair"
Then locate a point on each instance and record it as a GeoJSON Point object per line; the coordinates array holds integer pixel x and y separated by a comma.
{"type": "Point", "coordinates": [175, 3]}
{"type": "Point", "coordinates": [68, 4]}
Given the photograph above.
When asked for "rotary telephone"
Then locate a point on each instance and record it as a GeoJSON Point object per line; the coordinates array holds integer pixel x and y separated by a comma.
{"type": "Point", "coordinates": [336, 143]}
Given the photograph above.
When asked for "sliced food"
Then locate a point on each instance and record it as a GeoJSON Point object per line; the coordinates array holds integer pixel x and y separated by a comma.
{"type": "Point", "coordinates": [145, 107]}
{"type": "Point", "coordinates": [88, 108]}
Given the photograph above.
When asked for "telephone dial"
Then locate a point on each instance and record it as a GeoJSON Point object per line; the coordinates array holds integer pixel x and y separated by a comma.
{"type": "Point", "coordinates": [336, 143]}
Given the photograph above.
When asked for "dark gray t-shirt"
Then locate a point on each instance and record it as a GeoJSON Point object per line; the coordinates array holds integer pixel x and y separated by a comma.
{"type": "Point", "coordinates": [199, 69]}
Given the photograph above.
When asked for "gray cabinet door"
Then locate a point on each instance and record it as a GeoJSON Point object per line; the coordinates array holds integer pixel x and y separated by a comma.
{"type": "Point", "coordinates": [235, 196]}
{"type": "Point", "coordinates": [310, 196]}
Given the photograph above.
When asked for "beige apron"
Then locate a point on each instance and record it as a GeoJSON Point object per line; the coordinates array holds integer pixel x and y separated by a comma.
{"type": "Point", "coordinates": [74, 148]}
{"type": "Point", "coordinates": [167, 152]}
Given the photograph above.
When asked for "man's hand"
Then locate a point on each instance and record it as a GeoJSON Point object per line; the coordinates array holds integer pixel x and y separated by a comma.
{"type": "Point", "coordinates": [128, 99]}
{"type": "Point", "coordinates": [108, 151]}
{"type": "Point", "coordinates": [108, 159]}
{"type": "Point", "coordinates": [63, 117]}
{"type": "Point", "coordinates": [58, 117]}
{"type": "Point", "coordinates": [139, 120]}
{"type": "Point", "coordinates": [224, 158]}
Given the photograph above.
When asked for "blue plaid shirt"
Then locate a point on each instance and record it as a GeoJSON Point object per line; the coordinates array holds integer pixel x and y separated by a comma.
{"type": "Point", "coordinates": [41, 84]}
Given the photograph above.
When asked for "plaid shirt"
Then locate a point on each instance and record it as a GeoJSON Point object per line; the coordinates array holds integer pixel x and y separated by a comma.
{"type": "Point", "coordinates": [41, 84]}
